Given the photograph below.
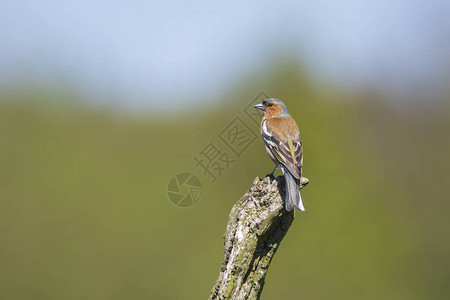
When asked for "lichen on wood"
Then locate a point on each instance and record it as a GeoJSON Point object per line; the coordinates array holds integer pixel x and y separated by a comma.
{"type": "Point", "coordinates": [256, 226]}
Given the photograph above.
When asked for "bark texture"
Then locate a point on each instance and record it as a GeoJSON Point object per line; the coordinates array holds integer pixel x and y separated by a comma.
{"type": "Point", "coordinates": [257, 224]}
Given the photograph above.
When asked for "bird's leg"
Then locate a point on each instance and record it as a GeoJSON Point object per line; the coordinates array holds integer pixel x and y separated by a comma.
{"type": "Point", "coordinates": [270, 175]}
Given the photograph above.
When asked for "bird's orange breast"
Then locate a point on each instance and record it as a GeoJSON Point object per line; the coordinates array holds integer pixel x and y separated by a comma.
{"type": "Point", "coordinates": [283, 128]}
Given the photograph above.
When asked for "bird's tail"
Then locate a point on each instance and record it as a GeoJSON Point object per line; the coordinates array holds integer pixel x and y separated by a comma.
{"type": "Point", "coordinates": [293, 197]}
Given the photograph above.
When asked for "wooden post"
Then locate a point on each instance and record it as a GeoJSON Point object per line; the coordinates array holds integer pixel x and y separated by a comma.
{"type": "Point", "coordinates": [257, 224]}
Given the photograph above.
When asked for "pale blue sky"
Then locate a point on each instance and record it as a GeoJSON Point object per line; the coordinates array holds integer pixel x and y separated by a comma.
{"type": "Point", "coordinates": [140, 52]}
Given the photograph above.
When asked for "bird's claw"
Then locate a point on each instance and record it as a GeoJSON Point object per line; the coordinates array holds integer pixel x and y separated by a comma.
{"type": "Point", "coordinates": [303, 181]}
{"type": "Point", "coordinates": [271, 177]}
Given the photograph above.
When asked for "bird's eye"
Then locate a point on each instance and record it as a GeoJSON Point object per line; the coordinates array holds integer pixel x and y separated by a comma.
{"type": "Point", "coordinates": [270, 104]}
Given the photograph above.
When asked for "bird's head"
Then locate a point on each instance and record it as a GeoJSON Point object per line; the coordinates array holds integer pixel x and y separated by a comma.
{"type": "Point", "coordinates": [273, 108]}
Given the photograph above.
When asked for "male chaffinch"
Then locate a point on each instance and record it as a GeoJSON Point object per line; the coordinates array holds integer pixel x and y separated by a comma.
{"type": "Point", "coordinates": [284, 146]}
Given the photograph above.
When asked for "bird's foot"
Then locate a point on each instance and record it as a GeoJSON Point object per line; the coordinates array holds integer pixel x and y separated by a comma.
{"type": "Point", "coordinates": [303, 181]}
{"type": "Point", "coordinates": [270, 175]}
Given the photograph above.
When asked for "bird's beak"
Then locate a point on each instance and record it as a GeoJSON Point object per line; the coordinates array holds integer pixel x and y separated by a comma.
{"type": "Point", "coordinates": [259, 106]}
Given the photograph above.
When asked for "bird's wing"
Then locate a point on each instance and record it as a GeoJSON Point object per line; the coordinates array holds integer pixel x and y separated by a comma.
{"type": "Point", "coordinates": [288, 152]}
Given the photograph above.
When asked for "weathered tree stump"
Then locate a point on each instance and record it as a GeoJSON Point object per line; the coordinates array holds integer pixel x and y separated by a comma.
{"type": "Point", "coordinates": [257, 224]}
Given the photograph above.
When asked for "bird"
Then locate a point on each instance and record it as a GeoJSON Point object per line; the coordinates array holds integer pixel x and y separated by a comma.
{"type": "Point", "coordinates": [283, 144]}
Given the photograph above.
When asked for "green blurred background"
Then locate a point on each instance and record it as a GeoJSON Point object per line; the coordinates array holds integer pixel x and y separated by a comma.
{"type": "Point", "coordinates": [84, 211]}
